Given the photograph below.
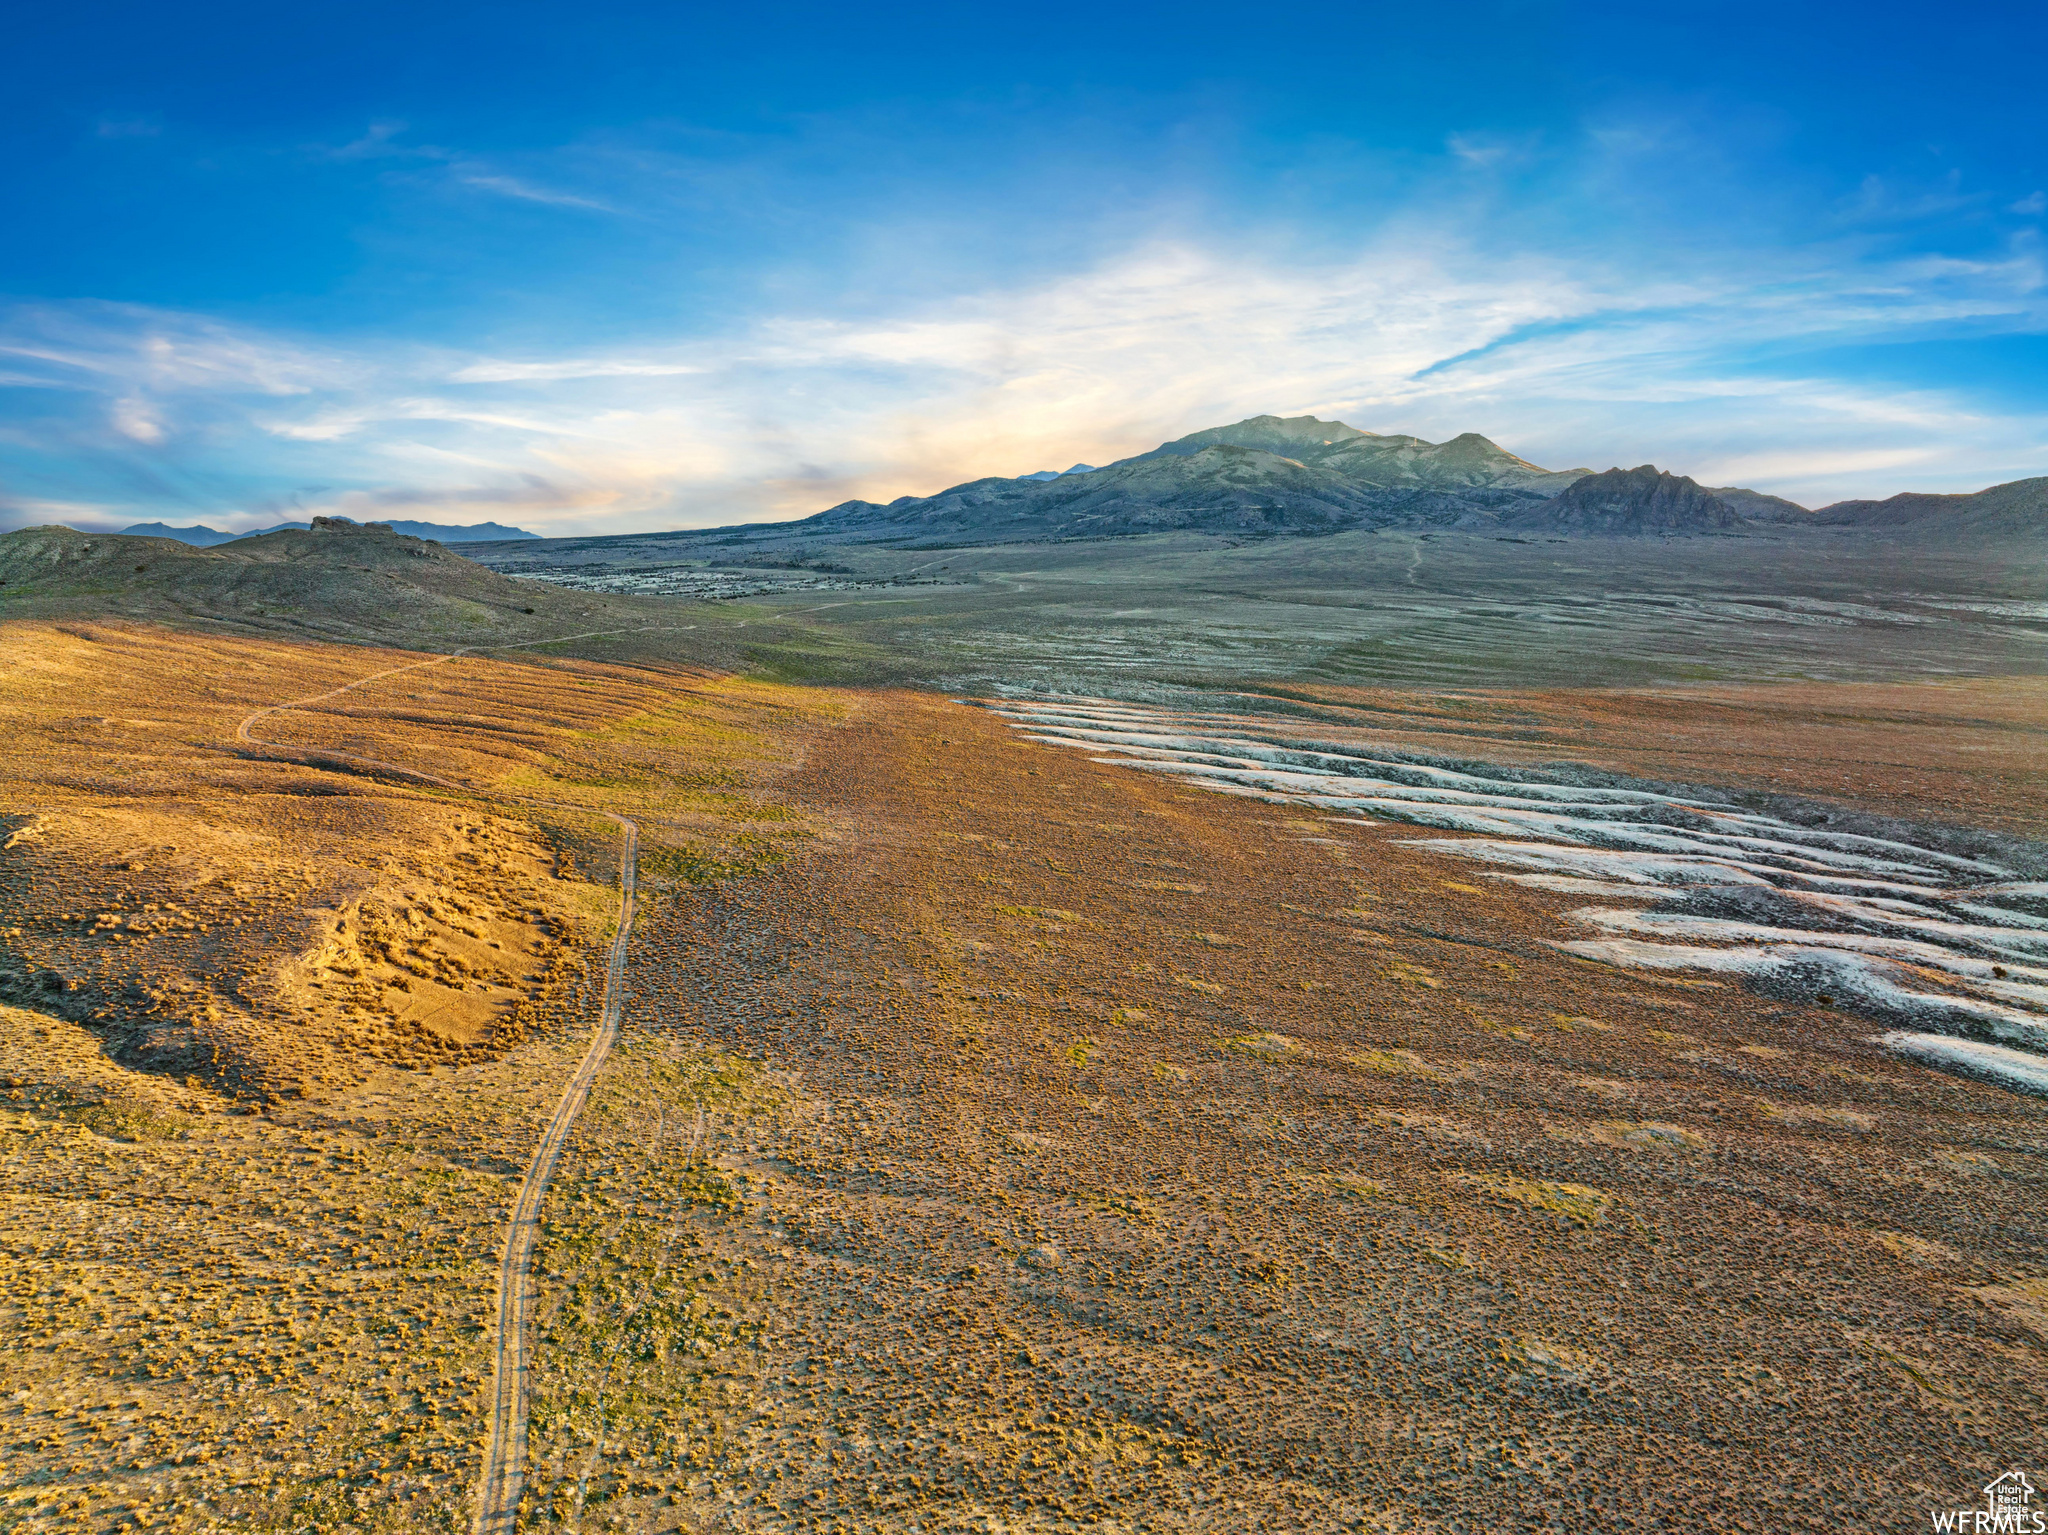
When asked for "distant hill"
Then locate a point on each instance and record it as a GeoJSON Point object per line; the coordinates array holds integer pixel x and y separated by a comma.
{"type": "Point", "coordinates": [1629, 502]}
{"type": "Point", "coordinates": [335, 579]}
{"type": "Point", "coordinates": [198, 535]}
{"type": "Point", "coordinates": [2016, 508]}
{"type": "Point", "coordinates": [1755, 506]}
{"type": "Point", "coordinates": [204, 537]}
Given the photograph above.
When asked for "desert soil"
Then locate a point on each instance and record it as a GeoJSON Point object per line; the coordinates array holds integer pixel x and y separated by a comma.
{"type": "Point", "coordinates": [997, 1141]}
{"type": "Point", "coordinates": [1133, 1158]}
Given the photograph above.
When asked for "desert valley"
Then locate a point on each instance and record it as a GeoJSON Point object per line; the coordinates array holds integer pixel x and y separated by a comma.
{"type": "Point", "coordinates": [1298, 981]}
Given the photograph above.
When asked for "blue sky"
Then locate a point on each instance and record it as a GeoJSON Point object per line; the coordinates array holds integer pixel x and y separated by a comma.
{"type": "Point", "coordinates": [606, 268]}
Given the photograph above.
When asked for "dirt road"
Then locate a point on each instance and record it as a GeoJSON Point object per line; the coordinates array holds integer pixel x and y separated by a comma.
{"type": "Point", "coordinates": [504, 1473]}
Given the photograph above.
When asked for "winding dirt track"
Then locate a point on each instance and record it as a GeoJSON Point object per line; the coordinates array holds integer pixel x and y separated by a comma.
{"type": "Point", "coordinates": [504, 1477]}
{"type": "Point", "coordinates": [504, 1474]}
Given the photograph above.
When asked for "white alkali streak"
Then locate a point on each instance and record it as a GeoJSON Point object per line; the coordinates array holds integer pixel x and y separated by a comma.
{"type": "Point", "coordinates": [1916, 934]}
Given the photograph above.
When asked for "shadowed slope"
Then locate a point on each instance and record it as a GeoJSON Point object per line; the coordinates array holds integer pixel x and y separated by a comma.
{"type": "Point", "coordinates": [2017, 508]}
{"type": "Point", "coordinates": [334, 579]}
{"type": "Point", "coordinates": [365, 584]}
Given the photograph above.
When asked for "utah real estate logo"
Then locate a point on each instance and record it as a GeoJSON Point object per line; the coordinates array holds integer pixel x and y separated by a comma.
{"type": "Point", "coordinates": [2008, 1510]}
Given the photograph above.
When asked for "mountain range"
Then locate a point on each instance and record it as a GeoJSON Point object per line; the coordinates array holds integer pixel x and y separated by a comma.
{"type": "Point", "coordinates": [1279, 475]}
{"type": "Point", "coordinates": [204, 537]}
{"type": "Point", "coordinates": [1271, 475]}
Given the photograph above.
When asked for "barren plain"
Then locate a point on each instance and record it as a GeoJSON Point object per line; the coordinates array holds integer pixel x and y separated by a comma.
{"type": "Point", "coordinates": [998, 1139]}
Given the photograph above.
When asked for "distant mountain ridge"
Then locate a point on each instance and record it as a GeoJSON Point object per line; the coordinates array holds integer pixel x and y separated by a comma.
{"type": "Point", "coordinates": [202, 537]}
{"type": "Point", "coordinates": [1261, 476]}
{"type": "Point", "coordinates": [1269, 475]}
{"type": "Point", "coordinates": [2018, 507]}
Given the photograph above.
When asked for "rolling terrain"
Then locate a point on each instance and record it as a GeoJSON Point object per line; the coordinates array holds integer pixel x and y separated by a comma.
{"type": "Point", "coordinates": [1005, 1130]}
{"type": "Point", "coordinates": [1036, 1141]}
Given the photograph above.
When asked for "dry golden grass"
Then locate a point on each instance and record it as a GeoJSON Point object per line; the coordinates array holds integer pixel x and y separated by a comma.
{"type": "Point", "coordinates": [273, 1322]}
{"type": "Point", "coordinates": [273, 920]}
{"type": "Point", "coordinates": [997, 1141]}
{"type": "Point", "coordinates": [1048, 1238]}
{"type": "Point", "coordinates": [286, 1032]}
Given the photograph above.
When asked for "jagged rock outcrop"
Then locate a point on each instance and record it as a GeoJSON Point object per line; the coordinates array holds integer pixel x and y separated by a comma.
{"type": "Point", "coordinates": [1631, 502]}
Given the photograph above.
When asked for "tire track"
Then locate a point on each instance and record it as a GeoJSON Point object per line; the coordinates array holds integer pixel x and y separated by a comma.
{"type": "Point", "coordinates": [504, 1478]}
{"type": "Point", "coordinates": [503, 1482]}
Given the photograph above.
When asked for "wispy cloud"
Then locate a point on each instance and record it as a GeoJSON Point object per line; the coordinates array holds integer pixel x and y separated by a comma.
{"type": "Point", "coordinates": [385, 140]}
{"type": "Point", "coordinates": [379, 141]}
{"type": "Point", "coordinates": [1491, 151]}
{"type": "Point", "coordinates": [497, 372]}
{"type": "Point", "coordinates": [524, 191]}
{"type": "Point", "coordinates": [84, 346]}
{"type": "Point", "coordinates": [137, 420]}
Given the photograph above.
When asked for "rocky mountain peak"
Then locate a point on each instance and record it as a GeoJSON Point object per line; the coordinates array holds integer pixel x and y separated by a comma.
{"type": "Point", "coordinates": [1289, 435]}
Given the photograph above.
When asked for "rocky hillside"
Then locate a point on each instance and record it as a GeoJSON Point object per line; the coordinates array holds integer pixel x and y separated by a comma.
{"type": "Point", "coordinates": [1755, 506]}
{"type": "Point", "coordinates": [1629, 502]}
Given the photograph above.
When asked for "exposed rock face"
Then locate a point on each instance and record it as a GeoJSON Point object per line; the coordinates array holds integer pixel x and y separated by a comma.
{"type": "Point", "coordinates": [1632, 501]}
{"type": "Point", "coordinates": [2018, 507]}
